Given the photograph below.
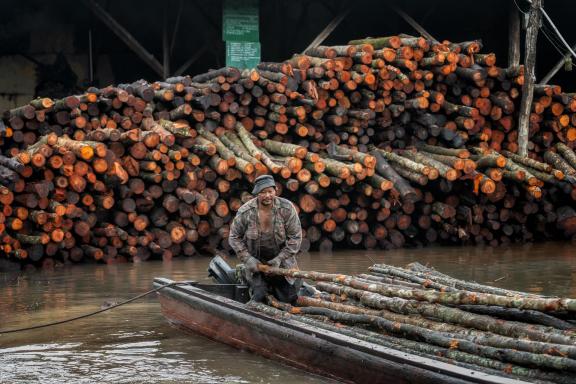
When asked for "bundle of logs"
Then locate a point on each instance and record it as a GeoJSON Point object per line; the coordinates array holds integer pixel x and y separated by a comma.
{"type": "Point", "coordinates": [421, 311]}
{"type": "Point", "coordinates": [386, 142]}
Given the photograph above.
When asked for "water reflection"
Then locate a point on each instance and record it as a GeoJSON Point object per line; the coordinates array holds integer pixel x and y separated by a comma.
{"type": "Point", "coordinates": [134, 344]}
{"type": "Point", "coordinates": [119, 363]}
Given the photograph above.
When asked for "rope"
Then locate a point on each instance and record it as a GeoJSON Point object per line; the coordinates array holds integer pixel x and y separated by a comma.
{"type": "Point", "coordinates": [91, 313]}
{"type": "Point", "coordinates": [520, 9]}
{"type": "Point", "coordinates": [568, 47]}
{"type": "Point", "coordinates": [544, 29]}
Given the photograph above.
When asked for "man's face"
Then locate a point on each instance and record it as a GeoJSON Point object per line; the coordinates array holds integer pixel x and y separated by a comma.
{"type": "Point", "coordinates": [266, 196]}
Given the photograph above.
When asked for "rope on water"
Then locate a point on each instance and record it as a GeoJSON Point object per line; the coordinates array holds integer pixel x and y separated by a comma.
{"type": "Point", "coordinates": [95, 312]}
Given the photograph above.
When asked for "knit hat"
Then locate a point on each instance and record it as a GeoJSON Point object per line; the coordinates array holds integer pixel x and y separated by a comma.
{"type": "Point", "coordinates": [262, 182]}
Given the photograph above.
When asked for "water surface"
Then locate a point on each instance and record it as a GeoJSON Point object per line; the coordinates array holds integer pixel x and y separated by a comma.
{"type": "Point", "coordinates": [134, 344]}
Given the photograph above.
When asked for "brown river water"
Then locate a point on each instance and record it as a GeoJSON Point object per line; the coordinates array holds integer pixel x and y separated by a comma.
{"type": "Point", "coordinates": [134, 344]}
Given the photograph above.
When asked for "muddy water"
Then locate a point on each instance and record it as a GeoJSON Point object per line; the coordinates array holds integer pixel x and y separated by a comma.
{"type": "Point", "coordinates": [134, 344]}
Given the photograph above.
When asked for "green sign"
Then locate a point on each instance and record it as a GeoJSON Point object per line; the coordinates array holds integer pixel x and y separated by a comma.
{"type": "Point", "coordinates": [240, 20]}
{"type": "Point", "coordinates": [242, 54]}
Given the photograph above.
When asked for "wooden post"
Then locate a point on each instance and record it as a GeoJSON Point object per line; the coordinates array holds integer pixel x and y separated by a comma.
{"type": "Point", "coordinates": [165, 44]}
{"type": "Point", "coordinates": [211, 32]}
{"type": "Point", "coordinates": [90, 57]}
{"type": "Point", "coordinates": [125, 36]}
{"type": "Point", "coordinates": [413, 23]}
{"type": "Point", "coordinates": [513, 35]}
{"type": "Point", "coordinates": [195, 56]}
{"type": "Point", "coordinates": [529, 76]}
{"type": "Point", "coordinates": [176, 26]}
{"type": "Point", "coordinates": [328, 29]}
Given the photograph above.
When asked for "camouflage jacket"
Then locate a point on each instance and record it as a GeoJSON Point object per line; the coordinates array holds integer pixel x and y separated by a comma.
{"type": "Point", "coordinates": [245, 231]}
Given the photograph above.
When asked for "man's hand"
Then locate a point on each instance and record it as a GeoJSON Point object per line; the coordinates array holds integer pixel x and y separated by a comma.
{"type": "Point", "coordinates": [275, 262]}
{"type": "Point", "coordinates": [251, 264]}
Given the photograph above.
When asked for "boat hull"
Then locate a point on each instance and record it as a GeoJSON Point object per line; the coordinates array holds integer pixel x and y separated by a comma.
{"type": "Point", "coordinates": [313, 349]}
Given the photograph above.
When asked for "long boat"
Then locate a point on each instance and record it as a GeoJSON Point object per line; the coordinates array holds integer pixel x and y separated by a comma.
{"type": "Point", "coordinates": [219, 312]}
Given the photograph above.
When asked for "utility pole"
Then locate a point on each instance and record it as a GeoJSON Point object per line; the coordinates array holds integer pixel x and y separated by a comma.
{"type": "Point", "coordinates": [529, 76]}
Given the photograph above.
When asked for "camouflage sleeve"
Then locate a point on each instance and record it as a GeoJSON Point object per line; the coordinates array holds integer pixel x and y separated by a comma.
{"type": "Point", "coordinates": [293, 235]}
{"type": "Point", "coordinates": [236, 237]}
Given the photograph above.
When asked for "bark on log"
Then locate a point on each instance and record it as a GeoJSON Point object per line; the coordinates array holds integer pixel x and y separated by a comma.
{"type": "Point", "coordinates": [446, 314]}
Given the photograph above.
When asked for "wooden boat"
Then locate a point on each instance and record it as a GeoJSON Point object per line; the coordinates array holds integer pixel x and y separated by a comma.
{"type": "Point", "coordinates": [218, 312]}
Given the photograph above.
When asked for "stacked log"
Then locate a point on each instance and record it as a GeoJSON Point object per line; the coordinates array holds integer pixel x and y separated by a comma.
{"type": "Point", "coordinates": [424, 312]}
{"type": "Point", "coordinates": [385, 143]}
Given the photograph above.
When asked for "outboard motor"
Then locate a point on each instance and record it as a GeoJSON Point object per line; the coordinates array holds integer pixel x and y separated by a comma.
{"type": "Point", "coordinates": [223, 273]}
{"type": "Point", "coordinates": [220, 271]}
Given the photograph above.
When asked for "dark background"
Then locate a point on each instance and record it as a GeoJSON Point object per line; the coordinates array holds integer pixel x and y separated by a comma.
{"type": "Point", "coordinates": [52, 37]}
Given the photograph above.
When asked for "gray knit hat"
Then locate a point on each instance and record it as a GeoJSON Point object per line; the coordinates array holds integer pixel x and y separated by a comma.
{"type": "Point", "coordinates": [262, 182]}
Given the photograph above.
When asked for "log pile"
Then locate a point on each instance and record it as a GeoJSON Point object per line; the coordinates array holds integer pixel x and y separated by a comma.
{"type": "Point", "coordinates": [387, 142]}
{"type": "Point", "coordinates": [421, 311]}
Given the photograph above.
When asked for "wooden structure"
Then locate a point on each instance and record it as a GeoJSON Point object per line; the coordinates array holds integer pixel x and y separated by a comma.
{"type": "Point", "coordinates": [529, 76]}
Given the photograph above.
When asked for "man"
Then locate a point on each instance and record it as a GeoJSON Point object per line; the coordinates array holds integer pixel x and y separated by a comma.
{"type": "Point", "coordinates": [267, 230]}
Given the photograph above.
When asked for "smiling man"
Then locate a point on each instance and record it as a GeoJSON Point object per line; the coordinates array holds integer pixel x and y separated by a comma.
{"type": "Point", "coordinates": [267, 230]}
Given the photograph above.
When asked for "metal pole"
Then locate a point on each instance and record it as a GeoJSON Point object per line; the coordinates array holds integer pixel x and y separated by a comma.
{"type": "Point", "coordinates": [556, 68]}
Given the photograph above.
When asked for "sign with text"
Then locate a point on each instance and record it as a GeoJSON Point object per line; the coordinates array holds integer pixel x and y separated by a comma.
{"type": "Point", "coordinates": [242, 54]}
{"type": "Point", "coordinates": [240, 20]}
